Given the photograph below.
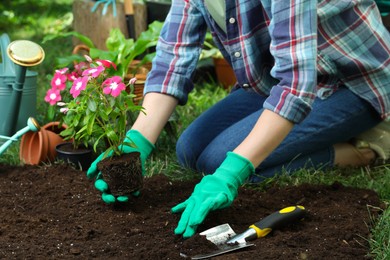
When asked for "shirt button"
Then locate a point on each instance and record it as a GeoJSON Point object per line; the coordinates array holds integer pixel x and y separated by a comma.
{"type": "Point", "coordinates": [237, 54]}
{"type": "Point", "coordinates": [245, 85]}
{"type": "Point", "coordinates": [232, 20]}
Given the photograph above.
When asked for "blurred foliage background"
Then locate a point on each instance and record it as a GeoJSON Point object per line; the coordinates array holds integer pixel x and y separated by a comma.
{"type": "Point", "coordinates": [32, 20]}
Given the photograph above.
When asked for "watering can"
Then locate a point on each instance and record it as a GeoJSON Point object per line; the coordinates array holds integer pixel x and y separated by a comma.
{"type": "Point", "coordinates": [17, 84]}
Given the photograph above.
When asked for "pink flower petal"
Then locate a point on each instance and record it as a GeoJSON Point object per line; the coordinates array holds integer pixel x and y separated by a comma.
{"type": "Point", "coordinates": [62, 71]}
{"type": "Point", "coordinates": [94, 72]}
{"type": "Point", "coordinates": [106, 63]}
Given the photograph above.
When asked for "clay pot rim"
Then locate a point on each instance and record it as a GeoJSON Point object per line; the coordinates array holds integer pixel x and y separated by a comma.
{"type": "Point", "coordinates": [50, 126]}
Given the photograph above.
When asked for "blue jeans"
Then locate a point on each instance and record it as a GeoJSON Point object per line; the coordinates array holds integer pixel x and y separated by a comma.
{"type": "Point", "coordinates": [340, 117]}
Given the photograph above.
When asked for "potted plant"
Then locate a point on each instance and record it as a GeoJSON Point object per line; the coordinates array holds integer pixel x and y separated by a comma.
{"type": "Point", "coordinates": [94, 103]}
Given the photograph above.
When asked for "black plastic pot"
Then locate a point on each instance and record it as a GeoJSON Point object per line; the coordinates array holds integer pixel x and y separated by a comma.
{"type": "Point", "coordinates": [81, 157]}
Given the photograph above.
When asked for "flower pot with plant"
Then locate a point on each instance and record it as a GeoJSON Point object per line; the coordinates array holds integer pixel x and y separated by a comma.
{"type": "Point", "coordinates": [94, 104]}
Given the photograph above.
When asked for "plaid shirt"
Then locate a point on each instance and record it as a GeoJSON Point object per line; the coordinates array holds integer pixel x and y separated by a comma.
{"type": "Point", "coordinates": [291, 51]}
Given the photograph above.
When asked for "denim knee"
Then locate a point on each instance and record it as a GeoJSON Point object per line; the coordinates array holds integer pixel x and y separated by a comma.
{"type": "Point", "coordinates": [205, 161]}
{"type": "Point", "coordinates": [184, 154]}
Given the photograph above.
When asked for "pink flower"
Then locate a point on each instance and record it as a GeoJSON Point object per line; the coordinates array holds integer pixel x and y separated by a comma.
{"type": "Point", "coordinates": [72, 76]}
{"type": "Point", "coordinates": [78, 85]}
{"type": "Point", "coordinates": [106, 63]}
{"type": "Point", "coordinates": [53, 96]}
{"type": "Point", "coordinates": [94, 72]}
{"type": "Point", "coordinates": [113, 86]}
{"type": "Point", "coordinates": [79, 67]}
{"type": "Point", "coordinates": [58, 81]}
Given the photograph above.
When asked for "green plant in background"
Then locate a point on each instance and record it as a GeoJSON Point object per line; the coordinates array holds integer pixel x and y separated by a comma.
{"type": "Point", "coordinates": [127, 50]}
{"type": "Point", "coordinates": [120, 50]}
{"type": "Point", "coordinates": [31, 20]}
{"type": "Point", "coordinates": [210, 50]}
{"type": "Point", "coordinates": [93, 103]}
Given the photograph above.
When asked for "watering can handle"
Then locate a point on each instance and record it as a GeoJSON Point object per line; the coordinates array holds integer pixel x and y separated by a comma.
{"type": "Point", "coordinates": [8, 65]}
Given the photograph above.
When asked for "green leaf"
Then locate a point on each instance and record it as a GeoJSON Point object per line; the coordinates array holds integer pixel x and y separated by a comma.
{"type": "Point", "coordinates": [112, 135]}
{"type": "Point", "coordinates": [91, 124]}
{"type": "Point", "coordinates": [103, 115]}
{"type": "Point", "coordinates": [103, 55]}
{"type": "Point", "coordinates": [86, 40]}
{"type": "Point", "coordinates": [116, 40]}
{"type": "Point", "coordinates": [92, 105]}
{"type": "Point", "coordinates": [82, 129]}
{"type": "Point", "coordinates": [66, 61]}
{"type": "Point", "coordinates": [130, 144]}
{"type": "Point", "coordinates": [67, 132]}
{"type": "Point", "coordinates": [107, 152]}
{"type": "Point", "coordinates": [51, 113]}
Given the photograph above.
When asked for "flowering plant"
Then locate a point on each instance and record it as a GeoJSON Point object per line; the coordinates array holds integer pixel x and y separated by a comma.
{"type": "Point", "coordinates": [93, 102]}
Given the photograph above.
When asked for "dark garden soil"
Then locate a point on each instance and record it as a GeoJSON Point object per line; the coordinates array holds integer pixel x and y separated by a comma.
{"type": "Point", "coordinates": [123, 174]}
{"type": "Point", "coordinates": [54, 212]}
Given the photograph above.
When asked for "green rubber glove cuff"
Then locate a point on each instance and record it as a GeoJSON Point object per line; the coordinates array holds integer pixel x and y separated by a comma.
{"type": "Point", "coordinates": [143, 145]}
{"type": "Point", "coordinates": [235, 169]}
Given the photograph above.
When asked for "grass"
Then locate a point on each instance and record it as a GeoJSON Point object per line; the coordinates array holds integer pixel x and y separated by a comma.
{"type": "Point", "coordinates": [380, 241]}
{"type": "Point", "coordinates": [49, 16]}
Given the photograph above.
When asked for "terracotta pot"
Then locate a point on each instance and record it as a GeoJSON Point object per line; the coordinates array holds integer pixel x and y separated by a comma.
{"type": "Point", "coordinates": [81, 158]}
{"type": "Point", "coordinates": [225, 73]}
{"type": "Point", "coordinates": [38, 147]}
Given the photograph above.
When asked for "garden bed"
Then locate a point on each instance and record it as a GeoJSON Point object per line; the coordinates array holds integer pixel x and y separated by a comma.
{"type": "Point", "coordinates": [54, 212]}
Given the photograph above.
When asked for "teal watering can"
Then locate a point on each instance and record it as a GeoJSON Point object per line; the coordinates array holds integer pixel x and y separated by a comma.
{"type": "Point", "coordinates": [17, 88]}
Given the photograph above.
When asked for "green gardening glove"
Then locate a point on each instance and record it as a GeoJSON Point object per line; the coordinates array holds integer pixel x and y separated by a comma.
{"type": "Point", "coordinates": [143, 146]}
{"type": "Point", "coordinates": [214, 191]}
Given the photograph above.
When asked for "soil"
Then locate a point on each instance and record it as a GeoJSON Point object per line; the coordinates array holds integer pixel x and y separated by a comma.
{"type": "Point", "coordinates": [54, 212]}
{"type": "Point", "coordinates": [123, 174]}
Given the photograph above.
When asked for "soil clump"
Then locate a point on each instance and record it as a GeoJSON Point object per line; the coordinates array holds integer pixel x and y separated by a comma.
{"type": "Point", "coordinates": [123, 174]}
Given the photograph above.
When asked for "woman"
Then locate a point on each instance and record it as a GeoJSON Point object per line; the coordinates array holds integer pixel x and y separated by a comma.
{"type": "Point", "coordinates": [311, 75]}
